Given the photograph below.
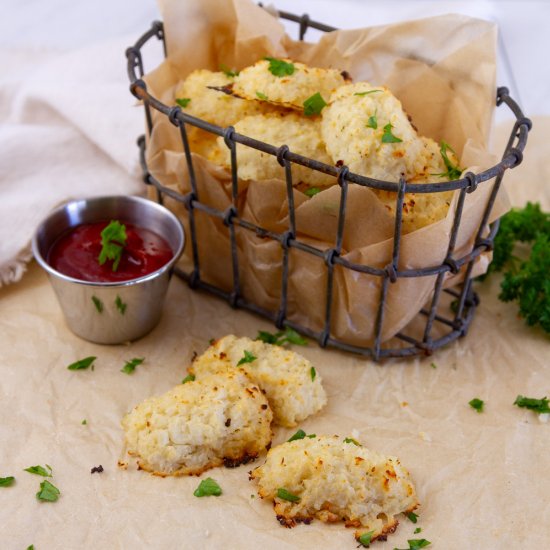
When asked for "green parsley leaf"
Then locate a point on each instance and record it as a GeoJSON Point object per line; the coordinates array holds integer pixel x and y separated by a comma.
{"type": "Point", "coordinates": [289, 336]}
{"type": "Point", "coordinates": [312, 191]}
{"type": "Point", "coordinates": [351, 440]}
{"type": "Point", "coordinates": [286, 495]}
{"type": "Point", "coordinates": [365, 539]}
{"type": "Point", "coordinates": [98, 304]}
{"type": "Point", "coordinates": [537, 405]}
{"type": "Point", "coordinates": [40, 470]}
{"type": "Point", "coordinates": [312, 373]}
{"type": "Point", "coordinates": [31, 547]}
{"type": "Point", "coordinates": [279, 67]}
{"type": "Point", "coordinates": [120, 305]}
{"type": "Point", "coordinates": [208, 487]}
{"type": "Point", "coordinates": [130, 366]}
{"type": "Point", "coordinates": [414, 544]}
{"type": "Point", "coordinates": [84, 422]}
{"type": "Point", "coordinates": [417, 530]}
{"type": "Point", "coordinates": [372, 122]}
{"type": "Point", "coordinates": [48, 492]}
{"type": "Point", "coordinates": [188, 378]}
{"type": "Point", "coordinates": [6, 481]}
{"type": "Point", "coordinates": [183, 101]}
{"type": "Point", "coordinates": [228, 72]}
{"type": "Point", "coordinates": [82, 363]}
{"type": "Point", "coordinates": [367, 93]}
{"type": "Point", "coordinates": [247, 358]}
{"type": "Point", "coordinates": [388, 137]}
{"type": "Point", "coordinates": [261, 95]}
{"type": "Point", "coordinates": [453, 170]}
{"type": "Point", "coordinates": [300, 434]}
{"type": "Point", "coordinates": [433, 365]}
{"type": "Point", "coordinates": [476, 404]}
{"type": "Point", "coordinates": [412, 517]}
{"type": "Point", "coordinates": [113, 241]}
{"type": "Point", "coordinates": [314, 105]}
{"type": "Point", "coordinates": [312, 436]}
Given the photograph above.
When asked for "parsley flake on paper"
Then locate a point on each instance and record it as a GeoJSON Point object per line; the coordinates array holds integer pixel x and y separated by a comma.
{"type": "Point", "coordinates": [120, 305]}
{"type": "Point", "coordinates": [261, 95]}
{"type": "Point", "coordinates": [300, 434]}
{"type": "Point", "coordinates": [477, 404]}
{"type": "Point", "coordinates": [130, 366]}
{"type": "Point", "coordinates": [412, 517]}
{"type": "Point", "coordinates": [537, 405]}
{"type": "Point", "coordinates": [280, 67]}
{"type": "Point", "coordinates": [314, 105]}
{"type": "Point", "coordinates": [247, 358]}
{"type": "Point", "coordinates": [188, 378]}
{"type": "Point", "coordinates": [40, 470]}
{"type": "Point", "coordinates": [388, 137]}
{"type": "Point", "coordinates": [287, 495]}
{"type": "Point", "coordinates": [82, 363]}
{"type": "Point", "coordinates": [113, 241]}
{"type": "Point", "coordinates": [48, 492]}
{"type": "Point", "coordinates": [6, 481]}
{"type": "Point", "coordinates": [183, 101]}
{"type": "Point", "coordinates": [98, 304]}
{"type": "Point", "coordinates": [208, 487]}
{"type": "Point", "coordinates": [84, 422]}
{"type": "Point", "coordinates": [417, 530]}
{"type": "Point", "coordinates": [288, 336]}
{"type": "Point", "coordinates": [365, 539]}
{"type": "Point", "coordinates": [367, 93]}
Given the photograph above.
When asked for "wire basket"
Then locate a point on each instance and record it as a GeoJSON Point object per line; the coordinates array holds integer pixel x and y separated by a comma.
{"type": "Point", "coordinates": [451, 310]}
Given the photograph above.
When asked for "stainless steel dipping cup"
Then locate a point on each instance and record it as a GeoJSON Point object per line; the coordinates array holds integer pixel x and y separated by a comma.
{"type": "Point", "coordinates": [112, 312]}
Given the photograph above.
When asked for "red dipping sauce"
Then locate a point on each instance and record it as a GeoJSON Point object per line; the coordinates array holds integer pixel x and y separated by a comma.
{"type": "Point", "coordinates": [75, 253]}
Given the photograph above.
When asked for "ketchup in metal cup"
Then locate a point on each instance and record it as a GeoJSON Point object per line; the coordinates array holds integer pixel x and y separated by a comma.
{"type": "Point", "coordinates": [75, 253]}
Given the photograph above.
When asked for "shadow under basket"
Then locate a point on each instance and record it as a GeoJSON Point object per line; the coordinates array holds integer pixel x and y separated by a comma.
{"type": "Point", "coordinates": [448, 312]}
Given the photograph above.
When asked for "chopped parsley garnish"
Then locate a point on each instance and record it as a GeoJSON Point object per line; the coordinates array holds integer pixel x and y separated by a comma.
{"type": "Point", "coordinates": [84, 422]}
{"type": "Point", "coordinates": [433, 365]}
{"type": "Point", "coordinates": [98, 304]}
{"type": "Point", "coordinates": [372, 122]}
{"type": "Point", "coordinates": [312, 191]}
{"type": "Point", "coordinates": [48, 492]}
{"type": "Point", "coordinates": [537, 405]}
{"type": "Point", "coordinates": [287, 495]}
{"type": "Point", "coordinates": [365, 539]}
{"type": "Point", "coordinates": [31, 547]}
{"type": "Point", "coordinates": [228, 72]}
{"type": "Point", "coordinates": [188, 378]}
{"type": "Point", "coordinates": [130, 366]}
{"type": "Point", "coordinates": [366, 93]}
{"type": "Point", "coordinates": [314, 105]}
{"type": "Point", "coordinates": [414, 544]}
{"type": "Point", "coordinates": [412, 517]}
{"type": "Point", "coordinates": [353, 441]}
{"type": "Point", "coordinates": [261, 95]}
{"type": "Point", "coordinates": [279, 67]}
{"type": "Point", "coordinates": [453, 170]}
{"type": "Point", "coordinates": [300, 434]}
{"type": "Point", "coordinates": [183, 101]}
{"type": "Point", "coordinates": [312, 373]}
{"type": "Point", "coordinates": [289, 336]}
{"type": "Point", "coordinates": [40, 470]}
{"type": "Point", "coordinates": [248, 357]}
{"type": "Point", "coordinates": [388, 137]}
{"type": "Point", "coordinates": [476, 404]}
{"type": "Point", "coordinates": [417, 530]}
{"type": "Point", "coordinates": [113, 241]}
{"type": "Point", "coordinates": [120, 305]}
{"type": "Point", "coordinates": [6, 481]}
{"type": "Point", "coordinates": [82, 363]}
{"type": "Point", "coordinates": [208, 487]}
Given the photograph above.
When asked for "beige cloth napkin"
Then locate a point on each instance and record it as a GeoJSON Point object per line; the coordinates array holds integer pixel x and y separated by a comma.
{"type": "Point", "coordinates": [68, 129]}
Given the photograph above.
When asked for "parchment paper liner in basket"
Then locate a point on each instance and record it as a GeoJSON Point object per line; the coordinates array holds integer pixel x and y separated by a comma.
{"type": "Point", "coordinates": [443, 71]}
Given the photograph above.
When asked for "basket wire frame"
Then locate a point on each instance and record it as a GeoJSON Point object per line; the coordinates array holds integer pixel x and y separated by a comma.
{"type": "Point", "coordinates": [465, 299]}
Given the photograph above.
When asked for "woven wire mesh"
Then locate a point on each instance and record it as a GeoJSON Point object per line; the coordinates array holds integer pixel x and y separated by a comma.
{"type": "Point", "coordinates": [452, 315]}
